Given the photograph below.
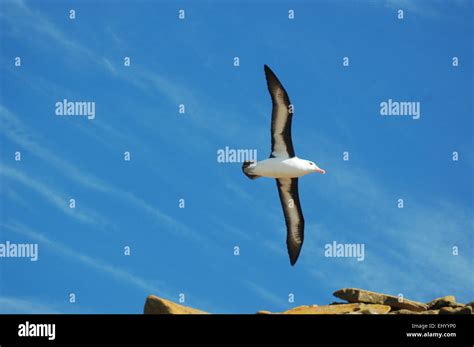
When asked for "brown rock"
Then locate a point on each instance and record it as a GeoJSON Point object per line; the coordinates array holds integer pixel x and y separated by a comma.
{"type": "Point", "coordinates": [456, 310]}
{"type": "Point", "coordinates": [372, 311]}
{"type": "Point", "coordinates": [340, 309]}
{"type": "Point", "coordinates": [403, 311]}
{"type": "Point", "coordinates": [156, 305]}
{"type": "Point", "coordinates": [447, 310]}
{"type": "Point", "coordinates": [264, 312]}
{"type": "Point", "coordinates": [337, 303]}
{"type": "Point", "coordinates": [365, 296]}
{"type": "Point", "coordinates": [430, 312]}
{"type": "Point", "coordinates": [470, 304]}
{"type": "Point", "coordinates": [445, 301]}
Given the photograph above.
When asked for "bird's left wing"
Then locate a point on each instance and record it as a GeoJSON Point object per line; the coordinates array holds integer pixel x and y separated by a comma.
{"type": "Point", "coordinates": [282, 113]}
{"type": "Point", "coordinates": [290, 202]}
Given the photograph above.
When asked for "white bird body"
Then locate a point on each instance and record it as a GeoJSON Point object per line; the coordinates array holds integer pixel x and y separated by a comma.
{"type": "Point", "coordinates": [282, 168]}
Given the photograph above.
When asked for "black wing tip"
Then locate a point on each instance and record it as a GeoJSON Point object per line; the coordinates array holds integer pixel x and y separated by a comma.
{"type": "Point", "coordinates": [294, 259]}
{"type": "Point", "coordinates": [267, 69]}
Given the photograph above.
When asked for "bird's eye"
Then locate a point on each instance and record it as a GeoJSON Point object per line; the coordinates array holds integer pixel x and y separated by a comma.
{"type": "Point", "coordinates": [311, 164]}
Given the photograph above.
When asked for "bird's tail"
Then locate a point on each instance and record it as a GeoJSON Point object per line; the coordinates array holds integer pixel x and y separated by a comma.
{"type": "Point", "coordinates": [247, 169]}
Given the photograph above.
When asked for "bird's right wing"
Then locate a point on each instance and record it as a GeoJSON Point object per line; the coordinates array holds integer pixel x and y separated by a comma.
{"type": "Point", "coordinates": [290, 202]}
{"type": "Point", "coordinates": [282, 145]}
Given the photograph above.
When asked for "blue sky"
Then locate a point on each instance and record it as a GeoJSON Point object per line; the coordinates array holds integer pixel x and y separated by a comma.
{"type": "Point", "coordinates": [174, 156]}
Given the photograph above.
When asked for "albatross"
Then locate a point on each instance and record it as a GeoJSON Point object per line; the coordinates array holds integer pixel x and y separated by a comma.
{"type": "Point", "coordinates": [284, 165]}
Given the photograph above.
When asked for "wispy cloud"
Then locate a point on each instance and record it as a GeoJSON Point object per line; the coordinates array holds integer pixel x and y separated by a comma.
{"type": "Point", "coordinates": [145, 80]}
{"type": "Point", "coordinates": [14, 196]}
{"type": "Point", "coordinates": [18, 133]}
{"type": "Point", "coordinates": [95, 263]}
{"type": "Point", "coordinates": [113, 35]}
{"type": "Point", "coordinates": [60, 201]}
{"type": "Point", "coordinates": [13, 305]}
{"type": "Point", "coordinates": [150, 82]}
{"type": "Point", "coordinates": [425, 8]}
{"type": "Point", "coordinates": [19, 15]}
{"type": "Point", "coordinates": [267, 295]}
{"type": "Point", "coordinates": [109, 65]}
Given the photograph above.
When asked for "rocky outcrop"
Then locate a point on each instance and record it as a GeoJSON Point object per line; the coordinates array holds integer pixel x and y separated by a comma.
{"type": "Point", "coordinates": [445, 301]}
{"type": "Point", "coordinates": [340, 309]}
{"type": "Point", "coordinates": [403, 311]}
{"type": "Point", "coordinates": [361, 295]}
{"type": "Point", "coordinates": [156, 305]}
{"type": "Point", "coordinates": [456, 310]}
{"type": "Point", "coordinates": [359, 301]}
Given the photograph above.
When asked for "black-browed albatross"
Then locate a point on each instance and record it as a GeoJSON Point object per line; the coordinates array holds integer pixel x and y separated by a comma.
{"type": "Point", "coordinates": [284, 165]}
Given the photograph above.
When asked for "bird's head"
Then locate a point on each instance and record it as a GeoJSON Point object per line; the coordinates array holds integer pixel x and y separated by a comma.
{"type": "Point", "coordinates": [312, 167]}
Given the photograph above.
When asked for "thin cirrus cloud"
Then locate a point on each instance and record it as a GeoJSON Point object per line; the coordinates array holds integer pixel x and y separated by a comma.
{"type": "Point", "coordinates": [267, 295]}
{"type": "Point", "coordinates": [142, 78]}
{"type": "Point", "coordinates": [418, 7]}
{"type": "Point", "coordinates": [11, 305]}
{"type": "Point", "coordinates": [60, 201]}
{"type": "Point", "coordinates": [19, 16]}
{"type": "Point", "coordinates": [124, 276]}
{"type": "Point", "coordinates": [24, 18]}
{"type": "Point", "coordinates": [424, 8]}
{"type": "Point", "coordinates": [84, 259]}
{"type": "Point", "coordinates": [17, 132]}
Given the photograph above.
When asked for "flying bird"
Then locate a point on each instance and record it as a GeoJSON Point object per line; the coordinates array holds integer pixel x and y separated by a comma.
{"type": "Point", "coordinates": [284, 165]}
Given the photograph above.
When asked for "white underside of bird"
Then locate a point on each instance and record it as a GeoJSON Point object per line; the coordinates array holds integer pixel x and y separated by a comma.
{"type": "Point", "coordinates": [283, 168]}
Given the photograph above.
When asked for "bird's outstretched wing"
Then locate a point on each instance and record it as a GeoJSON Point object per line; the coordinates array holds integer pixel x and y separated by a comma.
{"type": "Point", "coordinates": [282, 145]}
{"type": "Point", "coordinates": [290, 202]}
